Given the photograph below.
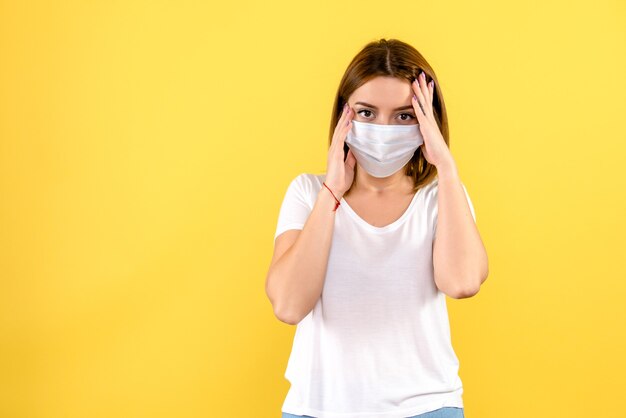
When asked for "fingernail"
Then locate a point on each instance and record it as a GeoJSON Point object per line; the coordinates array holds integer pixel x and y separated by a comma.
{"type": "Point", "coordinates": [423, 75]}
{"type": "Point", "coordinates": [415, 98]}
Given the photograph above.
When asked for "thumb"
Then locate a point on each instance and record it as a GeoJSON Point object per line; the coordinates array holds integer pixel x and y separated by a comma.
{"type": "Point", "coordinates": [350, 159]}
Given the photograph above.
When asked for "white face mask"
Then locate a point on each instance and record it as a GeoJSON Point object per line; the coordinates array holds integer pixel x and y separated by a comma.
{"type": "Point", "coordinates": [382, 150]}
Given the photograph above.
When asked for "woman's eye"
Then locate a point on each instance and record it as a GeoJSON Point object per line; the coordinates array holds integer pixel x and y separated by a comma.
{"type": "Point", "coordinates": [369, 112]}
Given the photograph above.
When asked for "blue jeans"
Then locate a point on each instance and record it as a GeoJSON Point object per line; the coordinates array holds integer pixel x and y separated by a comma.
{"type": "Point", "coordinates": [445, 412]}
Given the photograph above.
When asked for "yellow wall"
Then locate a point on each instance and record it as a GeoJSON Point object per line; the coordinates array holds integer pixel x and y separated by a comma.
{"type": "Point", "coordinates": [145, 148]}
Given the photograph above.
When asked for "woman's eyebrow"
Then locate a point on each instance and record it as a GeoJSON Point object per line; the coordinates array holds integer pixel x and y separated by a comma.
{"type": "Point", "coordinates": [374, 107]}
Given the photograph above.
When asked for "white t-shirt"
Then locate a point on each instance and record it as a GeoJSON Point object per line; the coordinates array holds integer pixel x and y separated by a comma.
{"type": "Point", "coordinates": [377, 343]}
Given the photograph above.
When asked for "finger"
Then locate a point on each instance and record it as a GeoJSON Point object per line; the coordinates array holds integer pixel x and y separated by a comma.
{"type": "Point", "coordinates": [347, 125]}
{"type": "Point", "coordinates": [344, 114]}
{"type": "Point", "coordinates": [423, 96]}
{"type": "Point", "coordinates": [431, 90]}
{"type": "Point", "coordinates": [428, 95]}
{"type": "Point", "coordinates": [422, 83]}
{"type": "Point", "coordinates": [343, 127]}
{"type": "Point", "coordinates": [420, 110]}
{"type": "Point", "coordinates": [417, 92]}
{"type": "Point", "coordinates": [350, 159]}
{"type": "Point", "coordinates": [424, 152]}
{"type": "Point", "coordinates": [341, 123]}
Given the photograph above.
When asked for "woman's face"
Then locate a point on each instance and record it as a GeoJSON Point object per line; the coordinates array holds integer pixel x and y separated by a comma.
{"type": "Point", "coordinates": [384, 101]}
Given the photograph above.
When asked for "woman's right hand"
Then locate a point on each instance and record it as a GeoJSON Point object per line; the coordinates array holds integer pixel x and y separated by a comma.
{"type": "Point", "coordinates": [340, 173]}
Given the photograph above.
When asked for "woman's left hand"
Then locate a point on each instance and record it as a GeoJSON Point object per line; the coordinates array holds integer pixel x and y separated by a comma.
{"type": "Point", "coordinates": [434, 147]}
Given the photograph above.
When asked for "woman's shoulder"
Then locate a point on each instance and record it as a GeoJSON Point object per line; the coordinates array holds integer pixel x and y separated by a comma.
{"type": "Point", "coordinates": [310, 182]}
{"type": "Point", "coordinates": [431, 191]}
{"type": "Point", "coordinates": [307, 186]}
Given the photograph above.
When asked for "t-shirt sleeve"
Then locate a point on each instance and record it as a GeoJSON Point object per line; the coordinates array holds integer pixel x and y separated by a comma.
{"type": "Point", "coordinates": [296, 205]}
{"type": "Point", "coordinates": [435, 206]}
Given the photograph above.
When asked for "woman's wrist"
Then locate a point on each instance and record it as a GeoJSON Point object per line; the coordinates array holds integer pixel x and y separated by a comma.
{"type": "Point", "coordinates": [331, 195]}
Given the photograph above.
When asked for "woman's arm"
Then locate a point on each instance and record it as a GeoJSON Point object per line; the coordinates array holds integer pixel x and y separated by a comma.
{"type": "Point", "coordinates": [296, 275]}
{"type": "Point", "coordinates": [459, 256]}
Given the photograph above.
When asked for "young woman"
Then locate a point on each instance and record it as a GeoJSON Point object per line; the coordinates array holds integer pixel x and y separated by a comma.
{"type": "Point", "coordinates": [365, 253]}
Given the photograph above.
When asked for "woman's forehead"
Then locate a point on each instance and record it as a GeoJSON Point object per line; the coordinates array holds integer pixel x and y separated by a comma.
{"type": "Point", "coordinates": [384, 93]}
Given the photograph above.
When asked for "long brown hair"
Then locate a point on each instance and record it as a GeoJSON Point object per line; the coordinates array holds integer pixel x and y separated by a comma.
{"type": "Point", "coordinates": [392, 58]}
